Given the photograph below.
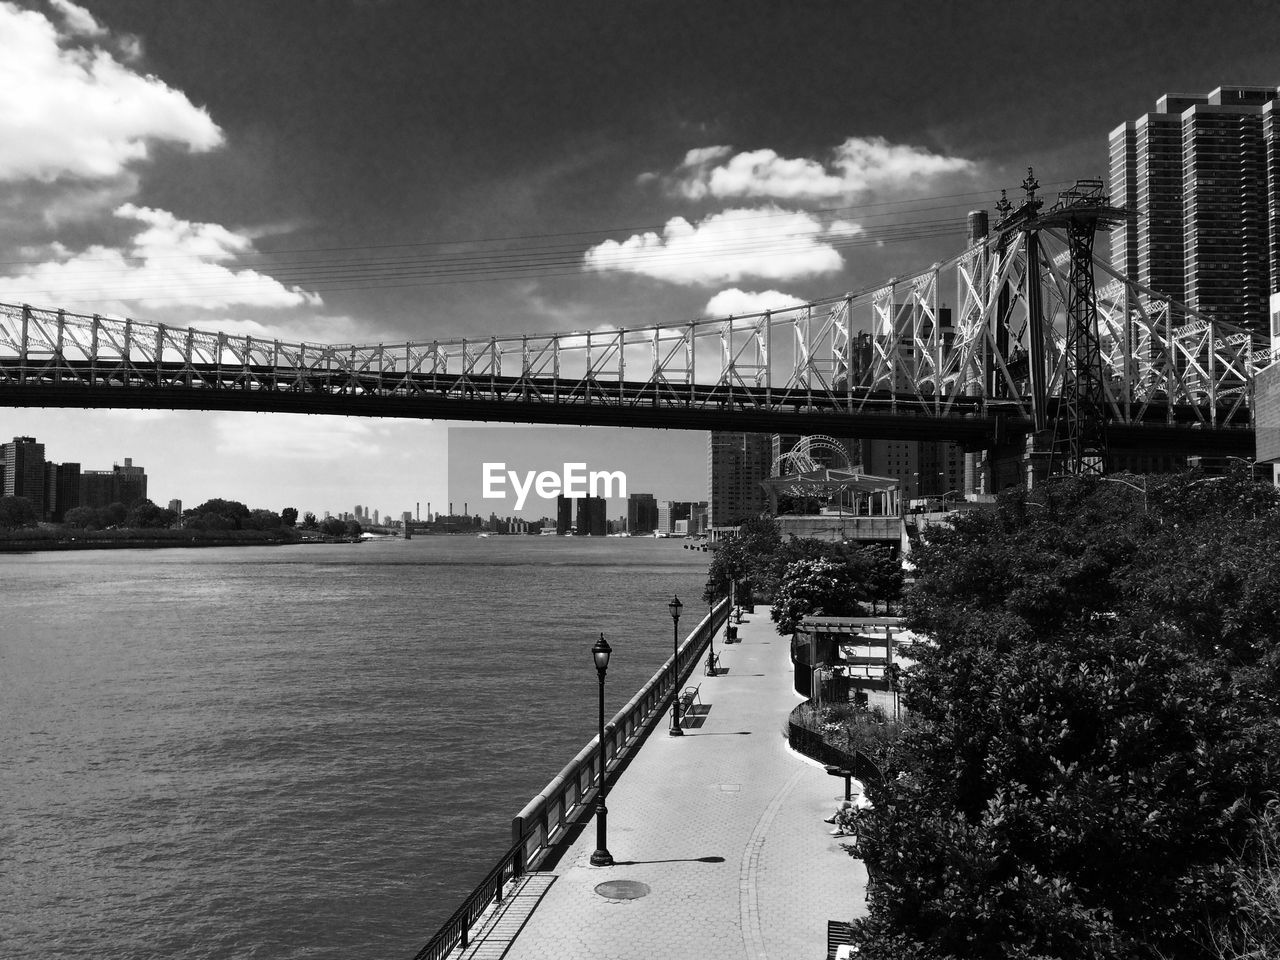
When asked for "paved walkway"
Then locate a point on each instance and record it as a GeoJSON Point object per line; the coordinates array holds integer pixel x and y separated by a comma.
{"type": "Point", "coordinates": [723, 826]}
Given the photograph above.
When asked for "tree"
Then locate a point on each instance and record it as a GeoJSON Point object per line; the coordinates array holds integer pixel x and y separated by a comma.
{"type": "Point", "coordinates": [877, 574]}
{"type": "Point", "coordinates": [82, 518]}
{"type": "Point", "coordinates": [742, 559]}
{"type": "Point", "coordinates": [768, 570]}
{"type": "Point", "coordinates": [261, 520]}
{"type": "Point", "coordinates": [146, 515]}
{"type": "Point", "coordinates": [309, 521]}
{"type": "Point", "coordinates": [1097, 718]}
{"type": "Point", "coordinates": [333, 527]}
{"type": "Point", "coordinates": [114, 514]}
{"type": "Point", "coordinates": [289, 516]}
{"type": "Point", "coordinates": [814, 587]}
{"type": "Point", "coordinates": [17, 512]}
{"type": "Point", "coordinates": [217, 514]}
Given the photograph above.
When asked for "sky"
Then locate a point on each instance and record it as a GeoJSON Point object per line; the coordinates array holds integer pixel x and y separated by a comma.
{"type": "Point", "coordinates": [390, 170]}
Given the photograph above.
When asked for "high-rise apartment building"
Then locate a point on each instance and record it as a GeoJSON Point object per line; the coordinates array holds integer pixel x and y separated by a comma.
{"type": "Point", "coordinates": [736, 465]}
{"type": "Point", "coordinates": [1201, 175]}
{"type": "Point", "coordinates": [131, 483]}
{"type": "Point", "coordinates": [125, 484]}
{"type": "Point", "coordinates": [61, 489]}
{"type": "Point", "coordinates": [923, 468]}
{"type": "Point", "coordinates": [22, 464]}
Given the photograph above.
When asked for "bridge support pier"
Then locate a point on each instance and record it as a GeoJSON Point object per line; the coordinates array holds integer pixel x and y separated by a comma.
{"type": "Point", "coordinates": [1018, 462]}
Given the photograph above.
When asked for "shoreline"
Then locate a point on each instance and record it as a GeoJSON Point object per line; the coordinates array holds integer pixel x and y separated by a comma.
{"type": "Point", "coordinates": [130, 541]}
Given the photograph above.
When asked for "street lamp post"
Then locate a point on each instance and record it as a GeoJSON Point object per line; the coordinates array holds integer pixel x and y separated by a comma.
{"type": "Point", "coordinates": [601, 858]}
{"type": "Point", "coordinates": [711, 629]}
{"type": "Point", "coordinates": [675, 606]}
{"type": "Point", "coordinates": [1133, 486]}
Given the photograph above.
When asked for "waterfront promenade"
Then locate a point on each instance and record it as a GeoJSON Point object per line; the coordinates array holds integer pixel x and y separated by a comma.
{"type": "Point", "coordinates": [723, 827]}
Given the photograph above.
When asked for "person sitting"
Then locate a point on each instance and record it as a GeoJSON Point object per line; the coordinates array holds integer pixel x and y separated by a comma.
{"type": "Point", "coordinates": [846, 822]}
{"type": "Point", "coordinates": [847, 810]}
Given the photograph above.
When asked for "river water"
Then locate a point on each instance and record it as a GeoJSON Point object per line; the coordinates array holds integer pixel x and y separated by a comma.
{"type": "Point", "coordinates": [305, 751]}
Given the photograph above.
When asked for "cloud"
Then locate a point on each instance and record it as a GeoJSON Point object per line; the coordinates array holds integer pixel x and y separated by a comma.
{"type": "Point", "coordinates": [309, 328]}
{"type": "Point", "coordinates": [77, 19]}
{"type": "Point", "coordinates": [741, 303]}
{"type": "Point", "coordinates": [860, 165]}
{"type": "Point", "coordinates": [169, 263]}
{"type": "Point", "coordinates": [316, 439]}
{"type": "Point", "coordinates": [768, 243]}
{"type": "Point", "coordinates": [67, 111]}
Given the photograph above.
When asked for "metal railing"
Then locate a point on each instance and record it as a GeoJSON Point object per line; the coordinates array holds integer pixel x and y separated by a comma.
{"type": "Point", "coordinates": [456, 930]}
{"type": "Point", "coordinates": [545, 819]}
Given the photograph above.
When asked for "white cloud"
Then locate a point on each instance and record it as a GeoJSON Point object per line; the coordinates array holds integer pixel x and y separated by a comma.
{"type": "Point", "coordinates": [170, 263]}
{"type": "Point", "coordinates": [742, 303]}
{"type": "Point", "coordinates": [77, 19]}
{"type": "Point", "coordinates": [253, 435]}
{"type": "Point", "coordinates": [67, 111]}
{"type": "Point", "coordinates": [309, 328]}
{"type": "Point", "coordinates": [769, 243]}
{"type": "Point", "coordinates": [859, 165]}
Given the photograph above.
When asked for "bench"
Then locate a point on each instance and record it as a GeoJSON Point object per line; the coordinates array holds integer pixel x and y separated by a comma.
{"type": "Point", "coordinates": [713, 664]}
{"type": "Point", "coordinates": [839, 934]}
{"type": "Point", "coordinates": [688, 697]}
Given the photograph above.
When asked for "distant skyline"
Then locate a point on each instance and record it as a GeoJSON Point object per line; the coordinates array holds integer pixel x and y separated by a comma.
{"type": "Point", "coordinates": [670, 464]}
{"type": "Point", "coordinates": [383, 170]}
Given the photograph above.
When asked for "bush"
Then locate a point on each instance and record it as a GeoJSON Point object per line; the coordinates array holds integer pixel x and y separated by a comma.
{"type": "Point", "coordinates": [1096, 720]}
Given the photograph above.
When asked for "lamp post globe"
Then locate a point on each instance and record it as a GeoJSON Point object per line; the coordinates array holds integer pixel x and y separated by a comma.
{"type": "Point", "coordinates": [675, 606]}
{"type": "Point", "coordinates": [600, 652]}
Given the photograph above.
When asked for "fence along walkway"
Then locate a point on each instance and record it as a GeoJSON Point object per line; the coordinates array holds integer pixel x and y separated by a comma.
{"type": "Point", "coordinates": [720, 848]}
{"type": "Point", "coordinates": [547, 817]}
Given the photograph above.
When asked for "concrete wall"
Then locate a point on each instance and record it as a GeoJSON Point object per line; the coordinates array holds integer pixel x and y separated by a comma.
{"type": "Point", "coordinates": [1266, 411]}
{"type": "Point", "coordinates": [836, 529]}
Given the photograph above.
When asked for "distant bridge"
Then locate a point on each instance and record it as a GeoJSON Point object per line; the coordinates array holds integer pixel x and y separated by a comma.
{"type": "Point", "coordinates": [978, 349]}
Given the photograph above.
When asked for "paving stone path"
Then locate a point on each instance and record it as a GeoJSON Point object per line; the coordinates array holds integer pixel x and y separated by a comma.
{"type": "Point", "coordinates": [718, 839]}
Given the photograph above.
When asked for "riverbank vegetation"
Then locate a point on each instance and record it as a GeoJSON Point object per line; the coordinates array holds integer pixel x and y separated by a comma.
{"type": "Point", "coordinates": [802, 576]}
{"type": "Point", "coordinates": [213, 523]}
{"type": "Point", "coordinates": [1093, 758]}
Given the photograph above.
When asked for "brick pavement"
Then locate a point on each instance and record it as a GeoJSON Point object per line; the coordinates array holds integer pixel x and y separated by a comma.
{"type": "Point", "coordinates": [724, 828]}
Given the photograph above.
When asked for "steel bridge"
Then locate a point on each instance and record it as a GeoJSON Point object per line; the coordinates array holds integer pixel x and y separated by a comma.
{"type": "Point", "coordinates": [979, 349]}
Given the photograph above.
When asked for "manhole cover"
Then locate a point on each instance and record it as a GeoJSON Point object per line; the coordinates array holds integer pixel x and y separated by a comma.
{"type": "Point", "coordinates": [622, 889]}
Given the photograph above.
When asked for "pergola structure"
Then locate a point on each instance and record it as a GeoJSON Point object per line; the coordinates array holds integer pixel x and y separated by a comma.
{"type": "Point", "coordinates": [880, 493]}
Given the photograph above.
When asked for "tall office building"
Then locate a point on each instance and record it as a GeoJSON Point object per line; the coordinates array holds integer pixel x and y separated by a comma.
{"type": "Point", "coordinates": [670, 512]}
{"type": "Point", "coordinates": [1201, 174]}
{"type": "Point", "coordinates": [736, 464]}
{"type": "Point", "coordinates": [564, 516]}
{"type": "Point", "coordinates": [592, 517]}
{"type": "Point", "coordinates": [23, 471]}
{"type": "Point", "coordinates": [642, 514]}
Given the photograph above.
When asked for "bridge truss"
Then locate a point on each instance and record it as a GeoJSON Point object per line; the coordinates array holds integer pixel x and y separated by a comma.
{"type": "Point", "coordinates": [965, 350]}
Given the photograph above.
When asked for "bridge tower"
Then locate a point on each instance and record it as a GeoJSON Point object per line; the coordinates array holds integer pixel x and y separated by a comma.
{"type": "Point", "coordinates": [1024, 219]}
{"type": "Point", "coordinates": [1080, 438]}
{"type": "Point", "coordinates": [1078, 443]}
